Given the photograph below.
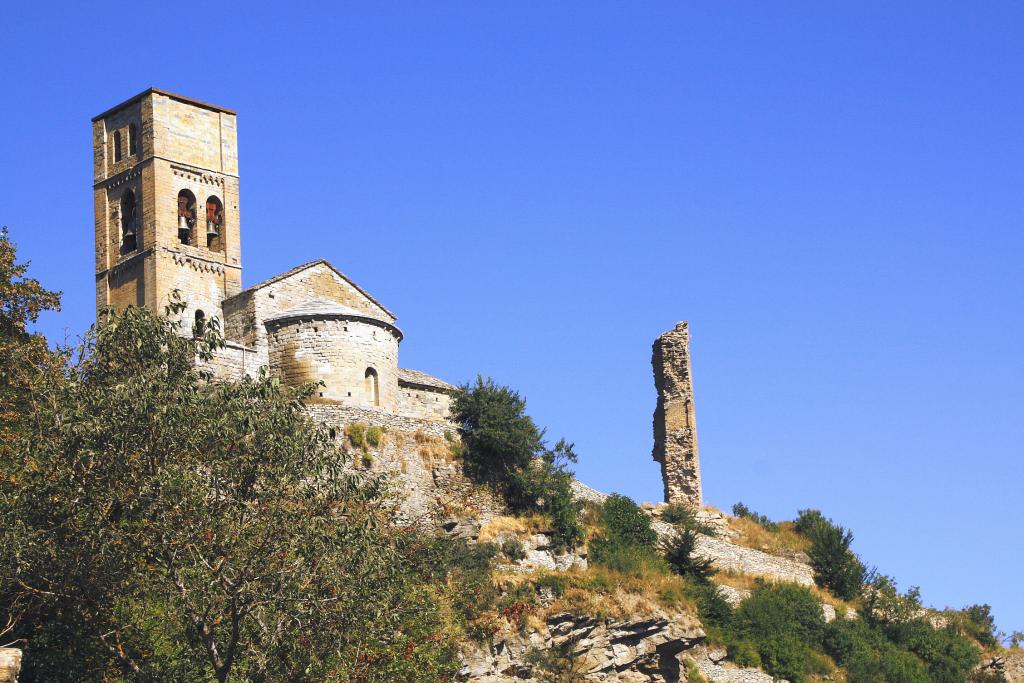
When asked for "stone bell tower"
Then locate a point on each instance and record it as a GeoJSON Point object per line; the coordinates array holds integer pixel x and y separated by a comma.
{"type": "Point", "coordinates": [165, 185]}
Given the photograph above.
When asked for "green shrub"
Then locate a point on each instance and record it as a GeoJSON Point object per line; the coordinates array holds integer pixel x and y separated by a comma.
{"type": "Point", "coordinates": [712, 607]}
{"type": "Point", "coordinates": [374, 435]}
{"type": "Point", "coordinates": [625, 523]}
{"type": "Point", "coordinates": [356, 433]}
{"type": "Point", "coordinates": [785, 622]}
{"type": "Point", "coordinates": [950, 657]}
{"type": "Point", "coordinates": [807, 521]}
{"type": "Point", "coordinates": [633, 560]}
{"type": "Point", "coordinates": [976, 622]}
{"type": "Point", "coordinates": [503, 446]}
{"type": "Point", "coordinates": [741, 510]}
{"type": "Point", "coordinates": [678, 552]}
{"type": "Point", "coordinates": [869, 656]}
{"type": "Point", "coordinates": [512, 548]}
{"type": "Point", "coordinates": [499, 438]}
{"type": "Point", "coordinates": [556, 583]}
{"type": "Point", "coordinates": [836, 568]}
{"type": "Point", "coordinates": [744, 653]}
{"type": "Point", "coordinates": [685, 516]}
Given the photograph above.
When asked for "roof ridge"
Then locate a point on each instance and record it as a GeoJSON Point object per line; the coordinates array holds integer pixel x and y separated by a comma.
{"type": "Point", "coordinates": [310, 264]}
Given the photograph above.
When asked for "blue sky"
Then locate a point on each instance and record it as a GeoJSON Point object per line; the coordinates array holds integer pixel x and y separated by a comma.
{"type": "Point", "coordinates": [831, 194]}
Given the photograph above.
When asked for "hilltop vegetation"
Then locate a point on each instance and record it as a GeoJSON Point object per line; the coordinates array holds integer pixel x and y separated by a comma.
{"type": "Point", "coordinates": [162, 527]}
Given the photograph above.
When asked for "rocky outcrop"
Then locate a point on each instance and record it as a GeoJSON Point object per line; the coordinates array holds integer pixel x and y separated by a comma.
{"type": "Point", "coordinates": [675, 422]}
{"type": "Point", "coordinates": [712, 664]}
{"type": "Point", "coordinates": [1010, 663]}
{"type": "Point", "coordinates": [644, 650]}
{"type": "Point", "coordinates": [10, 664]}
{"type": "Point", "coordinates": [727, 556]}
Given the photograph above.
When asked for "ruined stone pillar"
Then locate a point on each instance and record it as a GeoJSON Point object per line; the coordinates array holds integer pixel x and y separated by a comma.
{"type": "Point", "coordinates": [675, 422]}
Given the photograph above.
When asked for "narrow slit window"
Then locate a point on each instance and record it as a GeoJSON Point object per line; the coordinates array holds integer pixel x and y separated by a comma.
{"type": "Point", "coordinates": [372, 386]}
{"type": "Point", "coordinates": [129, 229]}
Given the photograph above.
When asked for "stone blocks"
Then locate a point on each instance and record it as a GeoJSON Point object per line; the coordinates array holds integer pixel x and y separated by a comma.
{"type": "Point", "coordinates": [675, 421]}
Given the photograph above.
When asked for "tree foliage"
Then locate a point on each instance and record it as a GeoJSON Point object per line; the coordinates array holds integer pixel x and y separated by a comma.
{"type": "Point", "coordinates": [503, 446]}
{"type": "Point", "coordinates": [24, 356]}
{"type": "Point", "coordinates": [836, 567]}
{"type": "Point", "coordinates": [161, 527]}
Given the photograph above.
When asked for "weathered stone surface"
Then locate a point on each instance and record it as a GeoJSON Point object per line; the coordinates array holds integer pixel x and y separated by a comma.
{"type": "Point", "coordinates": [675, 421]}
{"type": "Point", "coordinates": [1010, 663]}
{"type": "Point", "coordinates": [712, 664]}
{"type": "Point", "coordinates": [10, 664]}
{"type": "Point", "coordinates": [639, 650]}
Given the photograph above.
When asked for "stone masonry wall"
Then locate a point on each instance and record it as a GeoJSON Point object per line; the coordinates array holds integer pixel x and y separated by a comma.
{"type": "Point", "coordinates": [232, 362]}
{"type": "Point", "coordinates": [338, 352]}
{"type": "Point", "coordinates": [416, 454]}
{"type": "Point", "coordinates": [675, 421]}
{"type": "Point", "coordinates": [244, 314]}
{"type": "Point", "coordinates": [424, 402]}
{"type": "Point", "coordinates": [180, 145]}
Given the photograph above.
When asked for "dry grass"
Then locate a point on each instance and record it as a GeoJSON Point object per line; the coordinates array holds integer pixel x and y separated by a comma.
{"type": "Point", "coordinates": [749, 582]}
{"type": "Point", "coordinates": [518, 526]}
{"type": "Point", "coordinates": [785, 542]}
{"type": "Point", "coordinates": [433, 449]}
{"type": "Point", "coordinates": [607, 594]}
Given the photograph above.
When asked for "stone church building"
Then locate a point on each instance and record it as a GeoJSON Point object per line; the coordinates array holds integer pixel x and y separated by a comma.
{"type": "Point", "coordinates": [167, 218]}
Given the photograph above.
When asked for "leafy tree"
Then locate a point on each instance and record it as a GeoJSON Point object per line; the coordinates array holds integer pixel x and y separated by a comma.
{"type": "Point", "coordinates": [625, 523]}
{"type": "Point", "coordinates": [976, 622]}
{"type": "Point", "coordinates": [785, 623]}
{"type": "Point", "coordinates": [166, 528]}
{"type": "Point", "coordinates": [835, 566]}
{"type": "Point", "coordinates": [499, 438]}
{"type": "Point", "coordinates": [502, 445]}
{"type": "Point", "coordinates": [679, 553]}
{"type": "Point", "coordinates": [24, 359]}
{"type": "Point", "coordinates": [684, 516]}
{"type": "Point", "coordinates": [23, 354]}
{"type": "Point", "coordinates": [741, 510]}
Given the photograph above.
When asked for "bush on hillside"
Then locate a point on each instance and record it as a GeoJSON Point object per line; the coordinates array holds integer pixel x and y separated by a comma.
{"type": "Point", "coordinates": [741, 510]}
{"type": "Point", "coordinates": [625, 523]}
{"type": "Point", "coordinates": [785, 623]}
{"type": "Point", "coordinates": [836, 567]}
{"type": "Point", "coordinates": [626, 541]}
{"type": "Point", "coordinates": [807, 521]}
{"type": "Point", "coordinates": [502, 445]}
{"type": "Point", "coordinates": [679, 553]}
{"type": "Point", "coordinates": [975, 622]}
{"type": "Point", "coordinates": [685, 516]}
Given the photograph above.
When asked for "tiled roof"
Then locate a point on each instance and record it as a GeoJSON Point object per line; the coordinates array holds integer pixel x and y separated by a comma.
{"type": "Point", "coordinates": [422, 378]}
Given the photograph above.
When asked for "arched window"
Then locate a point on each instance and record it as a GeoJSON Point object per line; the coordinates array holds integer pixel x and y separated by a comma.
{"type": "Point", "coordinates": [214, 222]}
{"type": "Point", "coordinates": [118, 151]}
{"type": "Point", "coordinates": [186, 216]}
{"type": "Point", "coordinates": [129, 228]}
{"type": "Point", "coordinates": [199, 326]}
{"type": "Point", "coordinates": [133, 139]}
{"type": "Point", "coordinates": [372, 386]}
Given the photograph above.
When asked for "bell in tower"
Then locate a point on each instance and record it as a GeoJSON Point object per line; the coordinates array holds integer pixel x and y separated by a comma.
{"type": "Point", "coordinates": [186, 216]}
{"type": "Point", "coordinates": [159, 160]}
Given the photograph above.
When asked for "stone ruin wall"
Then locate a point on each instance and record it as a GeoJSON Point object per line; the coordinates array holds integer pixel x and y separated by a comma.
{"type": "Point", "coordinates": [416, 453]}
{"type": "Point", "coordinates": [675, 421]}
